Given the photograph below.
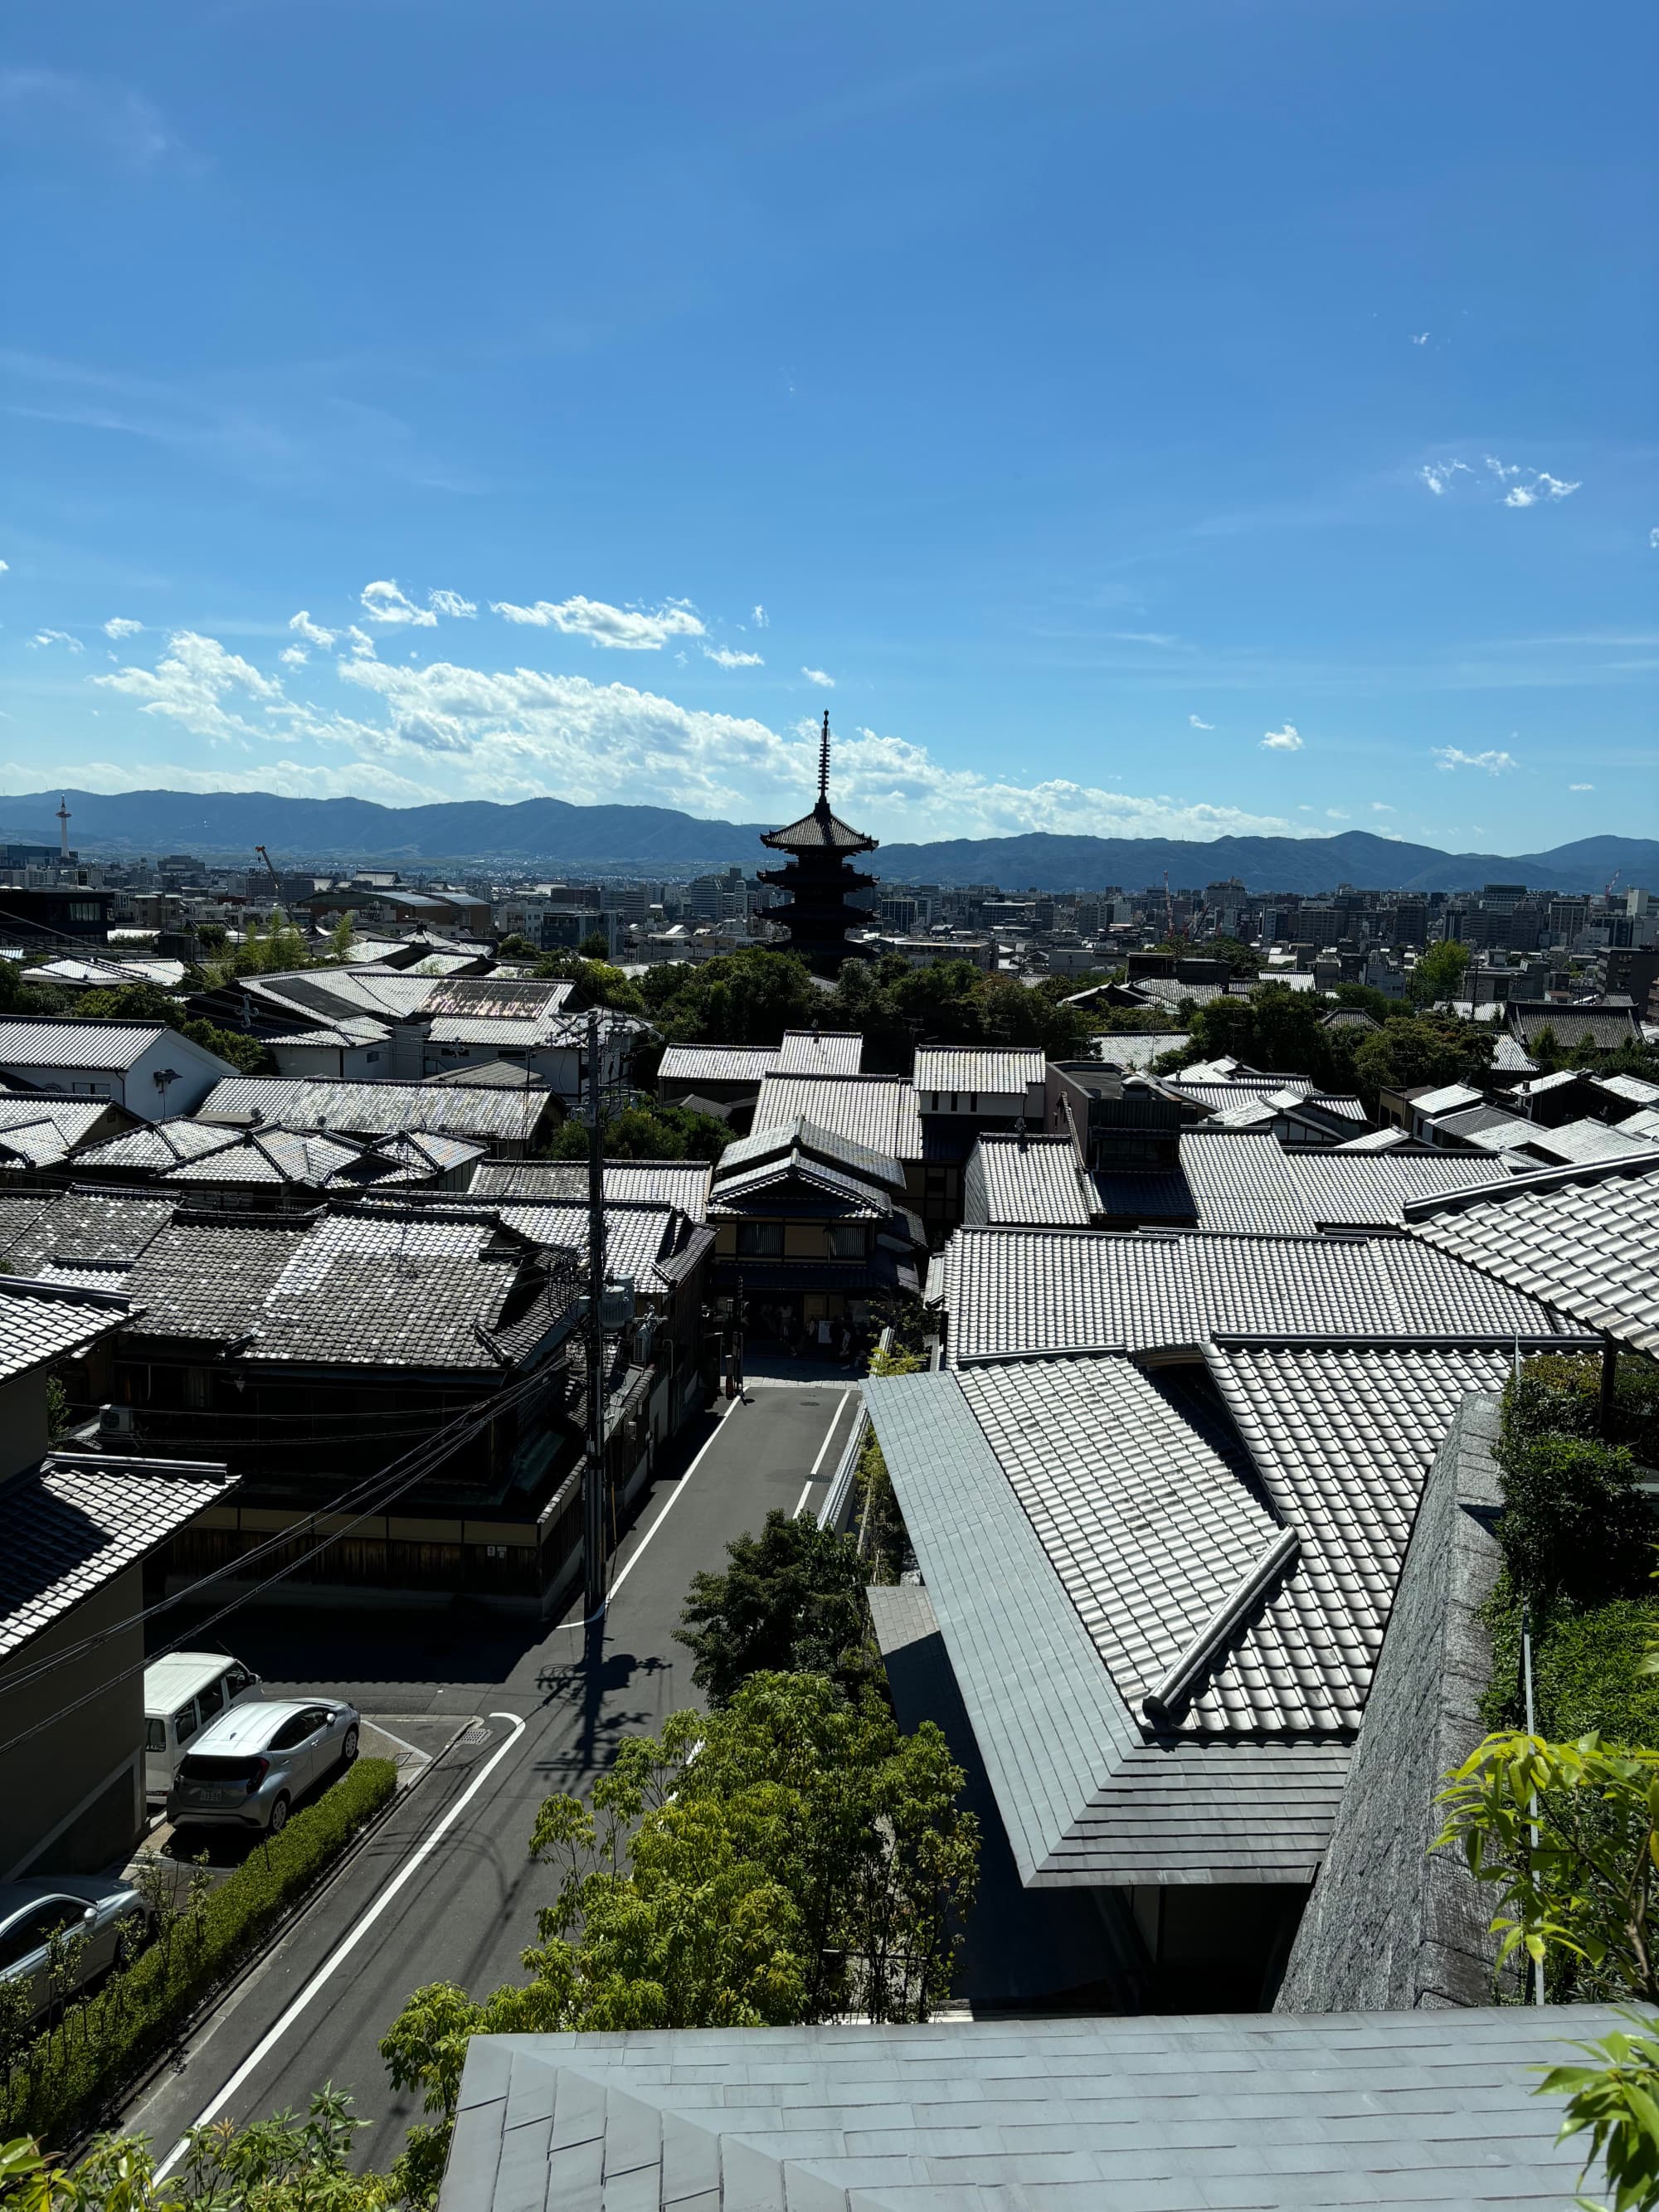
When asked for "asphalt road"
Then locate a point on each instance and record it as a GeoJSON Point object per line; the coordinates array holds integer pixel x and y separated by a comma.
{"type": "Point", "coordinates": [445, 1891]}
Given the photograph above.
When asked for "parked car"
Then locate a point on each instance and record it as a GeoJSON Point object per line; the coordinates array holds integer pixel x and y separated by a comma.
{"type": "Point", "coordinates": [247, 1768]}
{"type": "Point", "coordinates": [183, 1694]}
{"type": "Point", "coordinates": [93, 1906]}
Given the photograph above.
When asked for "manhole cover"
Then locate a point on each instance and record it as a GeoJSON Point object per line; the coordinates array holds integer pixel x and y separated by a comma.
{"type": "Point", "coordinates": [476, 1733]}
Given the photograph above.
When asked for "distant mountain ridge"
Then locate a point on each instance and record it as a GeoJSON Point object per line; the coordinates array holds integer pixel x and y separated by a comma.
{"type": "Point", "coordinates": [553, 835]}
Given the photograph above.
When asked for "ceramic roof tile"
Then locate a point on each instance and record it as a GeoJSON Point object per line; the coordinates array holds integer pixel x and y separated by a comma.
{"type": "Point", "coordinates": [65, 1040]}
{"type": "Point", "coordinates": [876, 1111]}
{"type": "Point", "coordinates": [994, 1070]}
{"type": "Point", "coordinates": [821, 1052]}
{"type": "Point", "coordinates": [1586, 1238]}
{"type": "Point", "coordinates": [374, 1109]}
{"type": "Point", "coordinates": [1024, 1180]}
{"type": "Point", "coordinates": [1253, 1184]}
{"type": "Point", "coordinates": [835, 1148]}
{"type": "Point", "coordinates": [87, 1224]}
{"type": "Point", "coordinates": [38, 1328]}
{"type": "Point", "coordinates": [72, 1524]}
{"type": "Point", "coordinates": [717, 1063]}
{"type": "Point", "coordinates": [1012, 1291]}
{"type": "Point", "coordinates": [681, 1183]}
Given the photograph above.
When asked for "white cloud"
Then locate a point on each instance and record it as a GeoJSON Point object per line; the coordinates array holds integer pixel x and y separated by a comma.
{"type": "Point", "coordinates": [627, 629]}
{"type": "Point", "coordinates": [1338, 814]}
{"type": "Point", "coordinates": [1197, 724]}
{"type": "Point", "coordinates": [361, 644]}
{"type": "Point", "coordinates": [1287, 740]}
{"type": "Point", "coordinates": [119, 626]}
{"type": "Point", "coordinates": [759, 617]}
{"type": "Point", "coordinates": [313, 633]}
{"type": "Point", "coordinates": [56, 637]}
{"type": "Point", "coordinates": [1144, 637]}
{"type": "Point", "coordinates": [190, 686]}
{"type": "Point", "coordinates": [723, 657]}
{"type": "Point", "coordinates": [385, 603]}
{"type": "Point", "coordinates": [1581, 786]}
{"type": "Point", "coordinates": [4, 565]}
{"type": "Point", "coordinates": [1448, 757]}
{"type": "Point", "coordinates": [1553, 488]}
{"type": "Point", "coordinates": [1381, 807]}
{"type": "Point", "coordinates": [1420, 337]}
{"type": "Point", "coordinates": [817, 675]}
{"type": "Point", "coordinates": [293, 656]}
{"type": "Point", "coordinates": [1499, 471]}
{"type": "Point", "coordinates": [452, 603]}
{"type": "Point", "coordinates": [1438, 474]}
{"type": "Point", "coordinates": [1653, 540]}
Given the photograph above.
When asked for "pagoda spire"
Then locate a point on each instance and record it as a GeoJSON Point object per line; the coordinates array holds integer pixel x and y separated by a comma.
{"type": "Point", "coordinates": [823, 763]}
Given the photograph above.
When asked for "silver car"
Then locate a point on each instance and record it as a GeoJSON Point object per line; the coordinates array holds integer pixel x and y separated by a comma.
{"type": "Point", "coordinates": [112, 1917]}
{"type": "Point", "coordinates": [250, 1767]}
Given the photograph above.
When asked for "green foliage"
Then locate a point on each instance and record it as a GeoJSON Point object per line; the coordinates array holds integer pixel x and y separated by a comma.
{"type": "Point", "coordinates": [896, 1007]}
{"type": "Point", "coordinates": [1589, 1673]}
{"type": "Point", "coordinates": [1409, 1050]}
{"type": "Point", "coordinates": [1438, 972]}
{"type": "Point", "coordinates": [646, 1132]}
{"type": "Point", "coordinates": [341, 939]}
{"type": "Point", "coordinates": [1615, 2101]}
{"type": "Point", "coordinates": [596, 945]}
{"type": "Point", "coordinates": [882, 1542]}
{"type": "Point", "coordinates": [148, 1002]}
{"type": "Point", "coordinates": [58, 1414]}
{"type": "Point", "coordinates": [1574, 1526]}
{"type": "Point", "coordinates": [793, 1857]}
{"type": "Point", "coordinates": [792, 1598]}
{"type": "Point", "coordinates": [1580, 1900]}
{"type": "Point", "coordinates": [59, 2080]}
{"type": "Point", "coordinates": [269, 947]}
{"type": "Point", "coordinates": [246, 1054]}
{"type": "Point", "coordinates": [1277, 1030]}
{"type": "Point", "coordinates": [597, 983]}
{"type": "Point", "coordinates": [750, 997]}
{"type": "Point", "coordinates": [1559, 1394]}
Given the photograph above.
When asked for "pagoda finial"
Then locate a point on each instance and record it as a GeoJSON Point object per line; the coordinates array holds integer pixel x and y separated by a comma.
{"type": "Point", "coordinates": [823, 763]}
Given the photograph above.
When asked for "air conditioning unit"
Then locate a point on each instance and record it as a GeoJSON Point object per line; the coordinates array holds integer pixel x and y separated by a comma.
{"type": "Point", "coordinates": [116, 1424]}
{"type": "Point", "coordinates": [617, 1304]}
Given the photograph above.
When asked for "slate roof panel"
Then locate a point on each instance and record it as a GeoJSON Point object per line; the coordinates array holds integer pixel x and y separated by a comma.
{"type": "Point", "coordinates": [71, 1526]}
{"type": "Point", "coordinates": [1252, 1185]}
{"type": "Point", "coordinates": [1134, 2113]}
{"type": "Point", "coordinates": [876, 1111]}
{"type": "Point", "coordinates": [1012, 1291]}
{"type": "Point", "coordinates": [1584, 1238]}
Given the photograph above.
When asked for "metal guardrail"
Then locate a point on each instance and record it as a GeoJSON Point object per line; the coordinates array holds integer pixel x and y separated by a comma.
{"type": "Point", "coordinates": [838, 1507]}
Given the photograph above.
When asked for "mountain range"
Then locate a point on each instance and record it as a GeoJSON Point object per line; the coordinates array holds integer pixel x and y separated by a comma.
{"type": "Point", "coordinates": [551, 834]}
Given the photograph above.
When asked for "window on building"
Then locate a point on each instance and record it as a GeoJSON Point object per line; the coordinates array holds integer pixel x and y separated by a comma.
{"type": "Point", "coordinates": [846, 1240]}
{"type": "Point", "coordinates": [760, 1240]}
{"type": "Point", "coordinates": [85, 910]}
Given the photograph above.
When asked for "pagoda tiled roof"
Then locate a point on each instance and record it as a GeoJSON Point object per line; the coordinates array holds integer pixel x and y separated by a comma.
{"type": "Point", "coordinates": [819, 831]}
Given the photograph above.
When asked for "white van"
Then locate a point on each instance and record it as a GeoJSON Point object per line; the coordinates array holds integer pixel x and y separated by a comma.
{"type": "Point", "coordinates": [182, 1693]}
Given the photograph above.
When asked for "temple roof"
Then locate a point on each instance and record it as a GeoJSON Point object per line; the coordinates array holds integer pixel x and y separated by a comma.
{"type": "Point", "coordinates": [818, 831]}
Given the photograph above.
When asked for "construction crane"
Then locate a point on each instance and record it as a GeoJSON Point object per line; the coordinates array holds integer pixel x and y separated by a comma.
{"type": "Point", "coordinates": [1612, 880]}
{"type": "Point", "coordinates": [276, 880]}
{"type": "Point", "coordinates": [1169, 907]}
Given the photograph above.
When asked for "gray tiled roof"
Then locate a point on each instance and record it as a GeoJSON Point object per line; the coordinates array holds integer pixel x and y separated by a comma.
{"type": "Point", "coordinates": [996, 1070]}
{"type": "Point", "coordinates": [207, 1280]}
{"type": "Point", "coordinates": [376, 1109]}
{"type": "Point", "coordinates": [403, 1288]}
{"type": "Point", "coordinates": [820, 1052]}
{"type": "Point", "coordinates": [72, 1524]}
{"type": "Point", "coordinates": [776, 1139]}
{"type": "Point", "coordinates": [86, 1224]}
{"type": "Point", "coordinates": [1131, 1195]}
{"type": "Point", "coordinates": [39, 1326]}
{"type": "Point", "coordinates": [1130, 1049]}
{"type": "Point", "coordinates": [1343, 1439]}
{"type": "Point", "coordinates": [1252, 1184]}
{"type": "Point", "coordinates": [1606, 1026]}
{"type": "Point", "coordinates": [1217, 1094]}
{"type": "Point", "coordinates": [823, 1189]}
{"type": "Point", "coordinates": [681, 1183]}
{"type": "Point", "coordinates": [1434, 2109]}
{"type": "Point", "coordinates": [65, 1040]}
{"type": "Point", "coordinates": [876, 1111]}
{"type": "Point", "coordinates": [638, 1239]}
{"type": "Point", "coordinates": [1009, 1291]}
{"type": "Point", "coordinates": [1024, 1180]}
{"type": "Point", "coordinates": [1586, 1238]}
{"type": "Point", "coordinates": [71, 1119]}
{"type": "Point", "coordinates": [717, 1063]}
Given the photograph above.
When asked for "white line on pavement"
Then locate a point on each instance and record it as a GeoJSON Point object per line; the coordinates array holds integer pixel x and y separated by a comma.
{"type": "Point", "coordinates": [807, 1488]}
{"type": "Point", "coordinates": [673, 1500]}
{"type": "Point", "coordinates": [338, 1956]}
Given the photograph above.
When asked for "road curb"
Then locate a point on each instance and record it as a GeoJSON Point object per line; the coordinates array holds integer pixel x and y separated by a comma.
{"type": "Point", "coordinates": [285, 1927]}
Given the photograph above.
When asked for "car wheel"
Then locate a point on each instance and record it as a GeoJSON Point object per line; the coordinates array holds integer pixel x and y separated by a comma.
{"type": "Point", "coordinates": [279, 1820]}
{"type": "Point", "coordinates": [349, 1747]}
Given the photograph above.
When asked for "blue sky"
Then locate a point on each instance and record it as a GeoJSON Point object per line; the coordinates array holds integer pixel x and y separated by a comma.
{"type": "Point", "coordinates": [1136, 418]}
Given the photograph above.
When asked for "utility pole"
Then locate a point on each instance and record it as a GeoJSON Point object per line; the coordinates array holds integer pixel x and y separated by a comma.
{"type": "Point", "coordinates": [593, 1559]}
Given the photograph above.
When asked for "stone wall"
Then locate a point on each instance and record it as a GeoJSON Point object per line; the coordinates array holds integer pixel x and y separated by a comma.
{"type": "Point", "coordinates": [1386, 1927]}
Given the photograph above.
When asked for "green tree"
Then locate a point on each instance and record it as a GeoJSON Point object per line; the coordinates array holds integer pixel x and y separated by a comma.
{"type": "Point", "coordinates": [1280, 1031]}
{"type": "Point", "coordinates": [1438, 972]}
{"type": "Point", "coordinates": [646, 1132]}
{"type": "Point", "coordinates": [596, 945]}
{"type": "Point", "coordinates": [1407, 1051]}
{"type": "Point", "coordinates": [597, 983]}
{"type": "Point", "coordinates": [791, 1598]}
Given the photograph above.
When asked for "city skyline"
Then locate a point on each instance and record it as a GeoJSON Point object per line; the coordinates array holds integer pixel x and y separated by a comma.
{"type": "Point", "coordinates": [1129, 428]}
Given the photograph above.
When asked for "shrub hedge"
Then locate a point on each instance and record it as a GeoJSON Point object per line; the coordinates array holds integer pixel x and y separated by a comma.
{"type": "Point", "coordinates": [62, 2080]}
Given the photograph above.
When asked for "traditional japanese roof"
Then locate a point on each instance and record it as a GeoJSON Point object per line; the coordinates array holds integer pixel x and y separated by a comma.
{"type": "Point", "coordinates": [1585, 1238]}
{"type": "Point", "coordinates": [1446, 1098]}
{"type": "Point", "coordinates": [41, 1325]}
{"type": "Point", "coordinates": [371, 1109]}
{"type": "Point", "coordinates": [718, 1063]}
{"type": "Point", "coordinates": [820, 831]}
{"type": "Point", "coordinates": [74, 1522]}
{"type": "Point", "coordinates": [876, 1111]}
{"type": "Point", "coordinates": [1025, 1181]}
{"type": "Point", "coordinates": [683, 1184]}
{"type": "Point", "coordinates": [1014, 1293]}
{"type": "Point", "coordinates": [41, 1130]}
{"type": "Point", "coordinates": [820, 1052]}
{"type": "Point", "coordinates": [1603, 1025]}
{"type": "Point", "coordinates": [1635, 1088]}
{"type": "Point", "coordinates": [1137, 1049]}
{"type": "Point", "coordinates": [996, 1070]}
{"type": "Point", "coordinates": [185, 1151]}
{"type": "Point", "coordinates": [812, 1186]}
{"type": "Point", "coordinates": [1128, 2114]}
{"type": "Point", "coordinates": [1252, 1185]}
{"type": "Point", "coordinates": [85, 1228]}
{"type": "Point", "coordinates": [66, 1040]}
{"type": "Point", "coordinates": [654, 1247]}
{"type": "Point", "coordinates": [1510, 1057]}
{"type": "Point", "coordinates": [776, 1139]}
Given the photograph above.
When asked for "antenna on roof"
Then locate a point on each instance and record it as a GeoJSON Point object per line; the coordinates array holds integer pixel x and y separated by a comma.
{"type": "Point", "coordinates": [823, 763]}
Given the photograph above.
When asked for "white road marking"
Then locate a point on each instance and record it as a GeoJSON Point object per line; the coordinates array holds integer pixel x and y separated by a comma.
{"type": "Point", "coordinates": [673, 1500]}
{"type": "Point", "coordinates": [402, 1742]}
{"type": "Point", "coordinates": [841, 1407]}
{"type": "Point", "coordinates": [338, 1956]}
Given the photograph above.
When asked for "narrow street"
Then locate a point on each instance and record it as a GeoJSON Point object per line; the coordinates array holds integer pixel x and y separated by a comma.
{"type": "Point", "coordinates": [463, 1895]}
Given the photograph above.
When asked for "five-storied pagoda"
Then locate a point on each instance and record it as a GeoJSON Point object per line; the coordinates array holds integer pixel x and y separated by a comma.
{"type": "Point", "coordinates": [820, 879]}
